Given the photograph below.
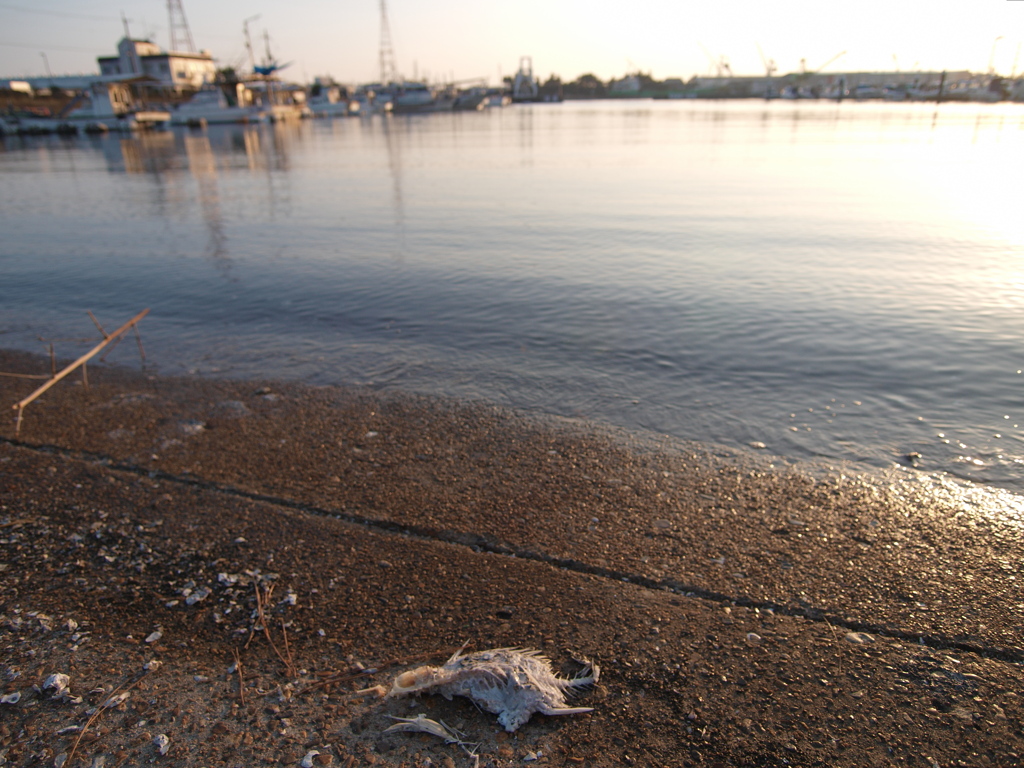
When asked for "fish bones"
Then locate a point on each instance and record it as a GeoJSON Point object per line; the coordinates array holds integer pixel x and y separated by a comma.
{"type": "Point", "coordinates": [512, 683]}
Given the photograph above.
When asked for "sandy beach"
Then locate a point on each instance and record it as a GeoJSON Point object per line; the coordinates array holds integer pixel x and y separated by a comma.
{"type": "Point", "coordinates": [277, 548]}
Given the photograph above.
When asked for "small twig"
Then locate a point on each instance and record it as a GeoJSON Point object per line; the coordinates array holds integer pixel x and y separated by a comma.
{"type": "Point", "coordinates": [26, 375]}
{"type": "Point", "coordinates": [336, 678]}
{"type": "Point", "coordinates": [261, 603]}
{"type": "Point", "coordinates": [10, 523]}
{"type": "Point", "coordinates": [111, 348]}
{"type": "Point", "coordinates": [97, 323]}
{"type": "Point", "coordinates": [138, 340]}
{"type": "Point", "coordinates": [81, 361]}
{"type": "Point", "coordinates": [100, 709]}
{"type": "Point", "coordinates": [241, 677]}
{"type": "Point", "coordinates": [290, 662]}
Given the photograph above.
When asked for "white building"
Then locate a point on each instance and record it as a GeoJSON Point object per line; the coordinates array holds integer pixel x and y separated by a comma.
{"type": "Point", "coordinates": [170, 69]}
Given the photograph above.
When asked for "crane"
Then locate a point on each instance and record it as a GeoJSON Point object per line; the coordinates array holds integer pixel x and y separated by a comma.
{"type": "Point", "coordinates": [721, 64]}
{"type": "Point", "coordinates": [769, 64]}
{"type": "Point", "coordinates": [830, 61]}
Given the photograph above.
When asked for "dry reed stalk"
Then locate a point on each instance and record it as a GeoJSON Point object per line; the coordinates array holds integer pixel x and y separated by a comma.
{"type": "Point", "coordinates": [288, 651]}
{"type": "Point", "coordinates": [25, 375]}
{"type": "Point", "coordinates": [262, 600]}
{"type": "Point", "coordinates": [241, 677]}
{"type": "Point", "coordinates": [123, 688]}
{"type": "Point", "coordinates": [80, 362]}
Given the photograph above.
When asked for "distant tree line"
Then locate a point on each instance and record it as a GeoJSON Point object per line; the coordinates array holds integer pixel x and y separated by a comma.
{"type": "Point", "coordinates": [589, 86]}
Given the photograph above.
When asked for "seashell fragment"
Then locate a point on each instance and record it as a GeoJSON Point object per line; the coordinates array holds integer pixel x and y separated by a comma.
{"type": "Point", "coordinates": [859, 638]}
{"type": "Point", "coordinates": [114, 701]}
{"type": "Point", "coordinates": [11, 698]}
{"type": "Point", "coordinates": [58, 681]}
{"type": "Point", "coordinates": [198, 596]}
{"type": "Point", "coordinates": [512, 683]}
{"type": "Point", "coordinates": [162, 743]}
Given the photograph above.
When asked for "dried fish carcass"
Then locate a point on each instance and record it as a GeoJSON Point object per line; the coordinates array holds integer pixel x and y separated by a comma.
{"type": "Point", "coordinates": [512, 683]}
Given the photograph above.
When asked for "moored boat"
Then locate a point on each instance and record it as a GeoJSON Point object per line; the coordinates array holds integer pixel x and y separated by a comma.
{"type": "Point", "coordinates": [212, 106]}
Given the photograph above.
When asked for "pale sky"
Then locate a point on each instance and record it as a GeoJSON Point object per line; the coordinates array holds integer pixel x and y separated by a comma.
{"type": "Point", "coordinates": [461, 39]}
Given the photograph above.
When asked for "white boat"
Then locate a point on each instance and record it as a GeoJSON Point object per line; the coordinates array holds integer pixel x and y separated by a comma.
{"type": "Point", "coordinates": [497, 99]}
{"type": "Point", "coordinates": [332, 102]}
{"type": "Point", "coordinates": [211, 106]}
{"type": "Point", "coordinates": [109, 105]}
{"type": "Point", "coordinates": [413, 97]}
{"type": "Point", "coordinates": [470, 99]}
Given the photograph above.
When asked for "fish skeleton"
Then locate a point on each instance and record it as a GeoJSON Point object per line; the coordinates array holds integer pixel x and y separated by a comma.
{"type": "Point", "coordinates": [511, 683]}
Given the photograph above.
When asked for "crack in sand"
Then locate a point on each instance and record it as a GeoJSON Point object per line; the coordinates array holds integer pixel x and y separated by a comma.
{"type": "Point", "coordinates": [485, 543]}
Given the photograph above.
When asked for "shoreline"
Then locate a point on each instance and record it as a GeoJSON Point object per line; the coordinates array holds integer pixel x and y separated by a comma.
{"type": "Point", "coordinates": [724, 602]}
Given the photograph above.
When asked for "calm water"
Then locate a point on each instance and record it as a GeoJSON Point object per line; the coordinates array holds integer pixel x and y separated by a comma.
{"type": "Point", "coordinates": [837, 281]}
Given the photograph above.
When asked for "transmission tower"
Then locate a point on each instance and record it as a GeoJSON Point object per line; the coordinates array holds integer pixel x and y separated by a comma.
{"type": "Point", "coordinates": [180, 33]}
{"type": "Point", "coordinates": [387, 54]}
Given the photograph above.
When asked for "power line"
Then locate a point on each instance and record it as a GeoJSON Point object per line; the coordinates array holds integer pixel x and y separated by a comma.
{"type": "Point", "coordinates": [47, 46]}
{"type": "Point", "coordinates": [56, 13]}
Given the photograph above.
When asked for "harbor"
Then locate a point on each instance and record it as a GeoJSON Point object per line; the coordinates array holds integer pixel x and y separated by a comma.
{"type": "Point", "coordinates": [397, 402]}
{"type": "Point", "coordinates": [146, 87]}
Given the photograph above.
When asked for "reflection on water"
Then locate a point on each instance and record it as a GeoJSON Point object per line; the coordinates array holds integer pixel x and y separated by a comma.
{"type": "Point", "coordinates": [838, 282]}
{"type": "Point", "coordinates": [394, 148]}
{"type": "Point", "coordinates": [151, 152]}
{"type": "Point", "coordinates": [203, 166]}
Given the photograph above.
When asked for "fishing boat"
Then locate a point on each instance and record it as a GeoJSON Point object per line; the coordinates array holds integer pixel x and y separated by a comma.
{"type": "Point", "coordinates": [212, 106]}
{"type": "Point", "coordinates": [411, 96]}
{"type": "Point", "coordinates": [332, 101]}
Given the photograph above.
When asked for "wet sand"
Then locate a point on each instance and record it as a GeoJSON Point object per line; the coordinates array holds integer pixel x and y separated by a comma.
{"type": "Point", "coordinates": [741, 614]}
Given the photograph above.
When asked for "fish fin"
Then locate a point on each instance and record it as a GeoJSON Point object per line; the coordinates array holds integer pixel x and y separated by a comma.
{"type": "Point", "coordinates": [455, 656]}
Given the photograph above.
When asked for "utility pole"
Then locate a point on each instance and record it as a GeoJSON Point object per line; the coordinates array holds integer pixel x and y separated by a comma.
{"type": "Point", "coordinates": [46, 61]}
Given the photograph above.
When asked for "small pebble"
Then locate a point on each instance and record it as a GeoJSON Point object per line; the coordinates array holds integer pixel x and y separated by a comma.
{"type": "Point", "coordinates": [154, 636]}
{"type": "Point", "coordinates": [753, 638]}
